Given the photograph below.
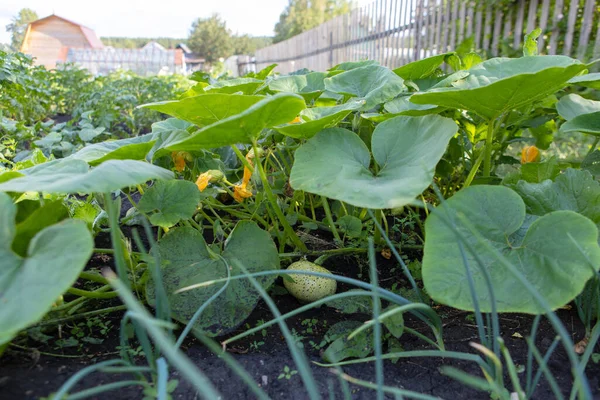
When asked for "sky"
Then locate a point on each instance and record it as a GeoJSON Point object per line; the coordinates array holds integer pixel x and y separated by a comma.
{"type": "Point", "coordinates": [151, 18]}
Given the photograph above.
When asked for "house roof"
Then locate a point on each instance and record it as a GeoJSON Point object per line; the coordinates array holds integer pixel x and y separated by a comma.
{"type": "Point", "coordinates": [89, 33]}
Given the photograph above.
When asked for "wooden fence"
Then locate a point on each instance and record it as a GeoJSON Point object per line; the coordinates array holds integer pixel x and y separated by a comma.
{"type": "Point", "coordinates": [395, 32]}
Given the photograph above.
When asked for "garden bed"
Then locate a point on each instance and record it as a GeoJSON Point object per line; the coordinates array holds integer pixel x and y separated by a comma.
{"type": "Point", "coordinates": [33, 373]}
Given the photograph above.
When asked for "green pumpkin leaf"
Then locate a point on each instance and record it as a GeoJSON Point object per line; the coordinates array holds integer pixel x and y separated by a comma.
{"type": "Point", "coordinates": [587, 80]}
{"type": "Point", "coordinates": [350, 225]}
{"type": "Point", "coordinates": [585, 123]}
{"type": "Point", "coordinates": [30, 285]}
{"type": "Point", "coordinates": [44, 216]}
{"type": "Point", "coordinates": [353, 305]}
{"type": "Point", "coordinates": [236, 85]}
{"type": "Point", "coordinates": [309, 86]}
{"type": "Point", "coordinates": [134, 148]}
{"type": "Point", "coordinates": [573, 105]}
{"type": "Point", "coordinates": [395, 323]}
{"type": "Point", "coordinates": [205, 109]}
{"type": "Point", "coordinates": [574, 190]}
{"type": "Point", "coordinates": [422, 68]}
{"type": "Point", "coordinates": [169, 125]}
{"type": "Point", "coordinates": [335, 162]}
{"type": "Point", "coordinates": [240, 128]}
{"type": "Point", "coordinates": [170, 202]}
{"type": "Point", "coordinates": [403, 106]}
{"type": "Point", "coordinates": [75, 176]}
{"type": "Point", "coordinates": [499, 85]}
{"type": "Point", "coordinates": [341, 348]}
{"type": "Point", "coordinates": [544, 254]}
{"type": "Point", "coordinates": [373, 83]}
{"type": "Point", "coordinates": [348, 65]}
{"type": "Point", "coordinates": [188, 262]}
{"type": "Point", "coordinates": [318, 118]}
{"type": "Point", "coordinates": [530, 45]}
{"type": "Point", "coordinates": [591, 163]}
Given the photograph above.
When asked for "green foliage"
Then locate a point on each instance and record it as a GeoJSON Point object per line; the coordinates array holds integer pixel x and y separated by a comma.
{"type": "Point", "coordinates": [31, 283]}
{"type": "Point", "coordinates": [210, 38]}
{"type": "Point", "coordinates": [335, 163]}
{"type": "Point", "coordinates": [171, 201]}
{"type": "Point", "coordinates": [557, 253]}
{"type": "Point", "coordinates": [190, 263]}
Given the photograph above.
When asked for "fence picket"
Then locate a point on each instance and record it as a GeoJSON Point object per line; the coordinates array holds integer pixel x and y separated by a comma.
{"type": "Point", "coordinates": [586, 28]}
{"type": "Point", "coordinates": [518, 33]}
{"type": "Point", "coordinates": [395, 32]}
{"type": "Point", "coordinates": [574, 6]}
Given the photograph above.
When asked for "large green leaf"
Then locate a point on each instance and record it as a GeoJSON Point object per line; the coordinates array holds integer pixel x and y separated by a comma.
{"type": "Point", "coordinates": [587, 80]}
{"type": "Point", "coordinates": [591, 163]}
{"type": "Point", "coordinates": [499, 85]}
{"type": "Point", "coordinates": [422, 68]}
{"type": "Point", "coordinates": [335, 162]}
{"type": "Point", "coordinates": [574, 190]}
{"type": "Point", "coordinates": [373, 83]}
{"type": "Point", "coordinates": [543, 252]}
{"type": "Point", "coordinates": [243, 127]}
{"type": "Point", "coordinates": [170, 202]}
{"type": "Point", "coordinates": [30, 285]}
{"type": "Point", "coordinates": [205, 109]}
{"type": "Point", "coordinates": [403, 106]}
{"type": "Point", "coordinates": [585, 123]}
{"type": "Point", "coordinates": [316, 119]}
{"type": "Point", "coordinates": [309, 86]}
{"type": "Point", "coordinates": [341, 347]}
{"type": "Point", "coordinates": [75, 176]}
{"type": "Point", "coordinates": [236, 85]}
{"type": "Point", "coordinates": [188, 262]}
{"type": "Point", "coordinates": [169, 125]}
{"type": "Point", "coordinates": [134, 148]}
{"type": "Point", "coordinates": [45, 215]}
{"type": "Point", "coordinates": [573, 105]}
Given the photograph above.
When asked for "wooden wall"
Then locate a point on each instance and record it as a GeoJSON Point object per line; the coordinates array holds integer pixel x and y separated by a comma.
{"type": "Point", "coordinates": [46, 39]}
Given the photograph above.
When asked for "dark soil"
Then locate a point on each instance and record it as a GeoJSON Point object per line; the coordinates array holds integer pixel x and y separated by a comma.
{"type": "Point", "coordinates": [31, 374]}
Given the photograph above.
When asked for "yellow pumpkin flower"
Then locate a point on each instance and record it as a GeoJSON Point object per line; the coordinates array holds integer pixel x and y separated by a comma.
{"type": "Point", "coordinates": [530, 154]}
{"type": "Point", "coordinates": [240, 192]}
{"type": "Point", "coordinates": [212, 175]}
{"type": "Point", "coordinates": [296, 120]}
{"type": "Point", "coordinates": [202, 181]}
{"type": "Point", "coordinates": [179, 158]}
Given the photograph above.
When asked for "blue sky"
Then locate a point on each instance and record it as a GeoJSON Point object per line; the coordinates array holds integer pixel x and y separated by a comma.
{"type": "Point", "coordinates": [151, 18]}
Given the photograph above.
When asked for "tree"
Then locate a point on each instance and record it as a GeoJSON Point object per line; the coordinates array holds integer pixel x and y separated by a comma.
{"type": "Point", "coordinates": [18, 26]}
{"type": "Point", "coordinates": [245, 44]}
{"type": "Point", "coordinates": [302, 15]}
{"type": "Point", "coordinates": [210, 38]}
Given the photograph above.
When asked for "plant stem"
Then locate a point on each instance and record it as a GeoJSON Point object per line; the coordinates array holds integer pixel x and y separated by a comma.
{"type": "Point", "coordinates": [487, 162]}
{"type": "Point", "coordinates": [336, 235]}
{"type": "Point", "coordinates": [92, 295]}
{"type": "Point", "coordinates": [345, 250]}
{"type": "Point", "coordinates": [85, 315]}
{"type": "Point", "coordinates": [273, 200]}
{"type": "Point", "coordinates": [474, 170]}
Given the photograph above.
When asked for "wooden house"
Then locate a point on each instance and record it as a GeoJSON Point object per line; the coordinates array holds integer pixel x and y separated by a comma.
{"type": "Point", "coordinates": [48, 39]}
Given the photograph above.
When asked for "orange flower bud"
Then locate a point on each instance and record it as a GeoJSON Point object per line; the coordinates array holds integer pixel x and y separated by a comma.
{"type": "Point", "coordinates": [530, 154]}
{"type": "Point", "coordinates": [179, 158]}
